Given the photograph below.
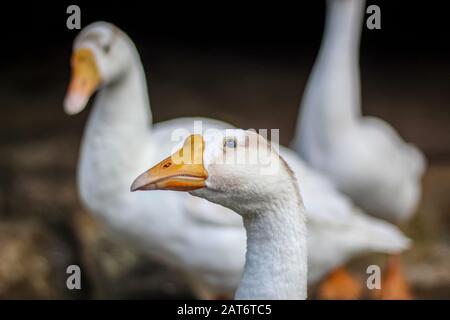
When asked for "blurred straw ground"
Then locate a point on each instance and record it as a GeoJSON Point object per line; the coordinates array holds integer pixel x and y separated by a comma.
{"type": "Point", "coordinates": [43, 227]}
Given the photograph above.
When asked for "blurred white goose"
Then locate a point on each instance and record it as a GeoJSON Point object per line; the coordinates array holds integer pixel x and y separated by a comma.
{"type": "Point", "coordinates": [199, 239]}
{"type": "Point", "coordinates": [119, 141]}
{"type": "Point", "coordinates": [363, 156]}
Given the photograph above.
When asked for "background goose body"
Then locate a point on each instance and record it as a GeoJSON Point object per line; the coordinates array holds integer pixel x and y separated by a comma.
{"type": "Point", "coordinates": [363, 156]}
{"type": "Point", "coordinates": [118, 143]}
{"type": "Point", "coordinates": [200, 239]}
{"type": "Point", "coordinates": [337, 229]}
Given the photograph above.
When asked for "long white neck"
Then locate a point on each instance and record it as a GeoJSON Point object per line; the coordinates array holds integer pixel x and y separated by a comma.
{"type": "Point", "coordinates": [275, 266]}
{"type": "Point", "coordinates": [124, 103]}
{"type": "Point", "coordinates": [113, 140]}
{"type": "Point", "coordinates": [342, 30]}
{"type": "Point", "coordinates": [331, 99]}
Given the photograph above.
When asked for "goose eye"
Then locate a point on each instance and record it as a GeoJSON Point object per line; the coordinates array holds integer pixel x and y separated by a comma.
{"type": "Point", "coordinates": [106, 48]}
{"type": "Point", "coordinates": [230, 142]}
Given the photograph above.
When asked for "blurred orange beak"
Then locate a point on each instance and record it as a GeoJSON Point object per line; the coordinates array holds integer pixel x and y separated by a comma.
{"type": "Point", "coordinates": [182, 171]}
{"type": "Point", "coordinates": [85, 80]}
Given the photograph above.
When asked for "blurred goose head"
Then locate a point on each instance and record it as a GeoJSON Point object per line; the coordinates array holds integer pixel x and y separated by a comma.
{"type": "Point", "coordinates": [101, 54]}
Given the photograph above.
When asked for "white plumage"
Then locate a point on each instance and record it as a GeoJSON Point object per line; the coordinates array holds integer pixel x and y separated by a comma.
{"type": "Point", "coordinates": [363, 156]}
{"type": "Point", "coordinates": [201, 240]}
{"type": "Point", "coordinates": [337, 229]}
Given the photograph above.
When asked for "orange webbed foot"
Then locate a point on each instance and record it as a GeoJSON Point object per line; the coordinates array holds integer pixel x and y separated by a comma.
{"type": "Point", "coordinates": [394, 285]}
{"type": "Point", "coordinates": [339, 285]}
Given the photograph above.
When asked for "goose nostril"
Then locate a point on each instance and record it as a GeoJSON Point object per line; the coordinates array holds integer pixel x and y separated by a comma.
{"type": "Point", "coordinates": [167, 165]}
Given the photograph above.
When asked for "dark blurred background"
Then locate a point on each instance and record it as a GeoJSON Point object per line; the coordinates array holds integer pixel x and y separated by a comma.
{"type": "Point", "coordinates": [243, 63]}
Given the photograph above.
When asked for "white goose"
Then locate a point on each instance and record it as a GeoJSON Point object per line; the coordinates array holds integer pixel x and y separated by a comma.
{"type": "Point", "coordinates": [196, 237]}
{"type": "Point", "coordinates": [118, 143]}
{"type": "Point", "coordinates": [363, 156]}
{"type": "Point", "coordinates": [270, 205]}
{"type": "Point", "coordinates": [268, 202]}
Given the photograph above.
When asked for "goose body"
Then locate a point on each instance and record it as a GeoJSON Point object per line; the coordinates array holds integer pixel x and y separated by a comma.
{"type": "Point", "coordinates": [118, 143]}
{"type": "Point", "coordinates": [363, 156]}
{"type": "Point", "coordinates": [201, 240]}
{"type": "Point", "coordinates": [337, 229]}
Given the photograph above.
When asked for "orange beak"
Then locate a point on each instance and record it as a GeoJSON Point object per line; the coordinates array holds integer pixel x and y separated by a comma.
{"type": "Point", "coordinates": [182, 171]}
{"type": "Point", "coordinates": [85, 80]}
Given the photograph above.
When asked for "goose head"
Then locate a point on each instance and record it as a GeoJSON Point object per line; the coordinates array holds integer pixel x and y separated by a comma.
{"type": "Point", "coordinates": [235, 168]}
{"type": "Point", "coordinates": [101, 54]}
